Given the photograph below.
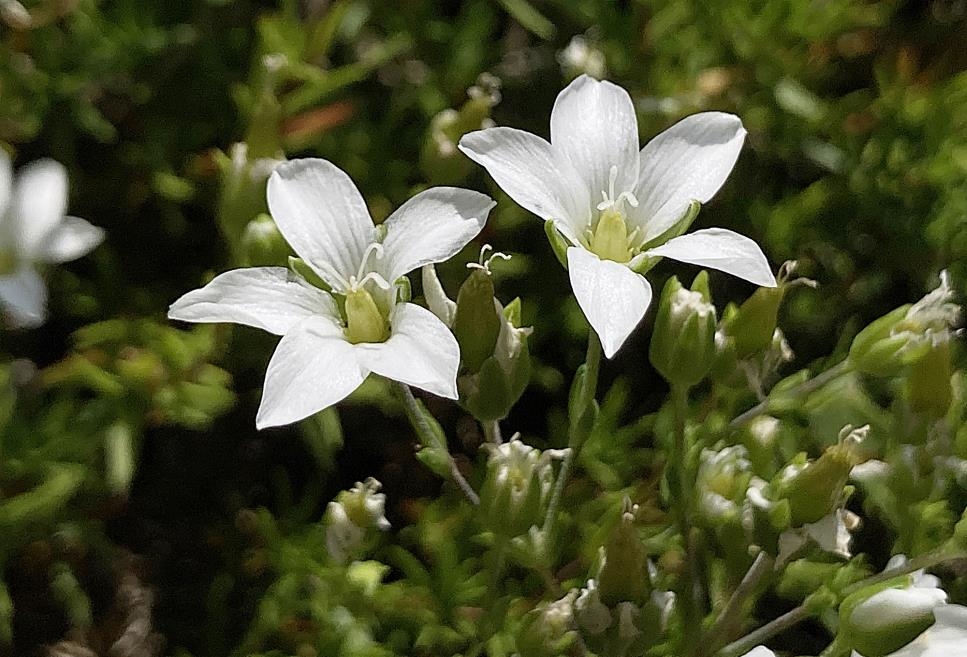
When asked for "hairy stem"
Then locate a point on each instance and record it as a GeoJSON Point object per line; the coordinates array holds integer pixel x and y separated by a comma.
{"type": "Point", "coordinates": [803, 388]}
{"type": "Point", "coordinates": [731, 615]}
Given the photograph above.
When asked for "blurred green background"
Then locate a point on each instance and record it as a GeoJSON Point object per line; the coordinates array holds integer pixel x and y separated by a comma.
{"type": "Point", "coordinates": [136, 437]}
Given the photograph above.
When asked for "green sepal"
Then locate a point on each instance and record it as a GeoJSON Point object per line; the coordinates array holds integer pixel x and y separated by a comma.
{"type": "Point", "coordinates": [404, 289]}
{"type": "Point", "coordinates": [559, 243]}
{"type": "Point", "coordinates": [753, 324]}
{"type": "Point", "coordinates": [302, 268]}
{"type": "Point", "coordinates": [678, 228]}
{"type": "Point", "coordinates": [476, 324]}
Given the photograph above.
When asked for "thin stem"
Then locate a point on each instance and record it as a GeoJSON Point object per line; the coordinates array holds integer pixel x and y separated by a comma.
{"type": "Point", "coordinates": [917, 563]}
{"type": "Point", "coordinates": [804, 388]}
{"type": "Point", "coordinates": [766, 632]}
{"type": "Point", "coordinates": [416, 415]}
{"type": "Point", "coordinates": [576, 434]}
{"type": "Point", "coordinates": [691, 595]}
{"type": "Point", "coordinates": [492, 432]}
{"type": "Point", "coordinates": [725, 624]}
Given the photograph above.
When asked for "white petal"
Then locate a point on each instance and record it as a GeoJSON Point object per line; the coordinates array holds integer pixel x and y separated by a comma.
{"type": "Point", "coordinates": [720, 249]}
{"type": "Point", "coordinates": [613, 298]}
{"type": "Point", "coordinates": [760, 651]}
{"type": "Point", "coordinates": [6, 185]}
{"type": "Point", "coordinates": [421, 352]}
{"type": "Point", "coordinates": [24, 298]}
{"type": "Point", "coordinates": [533, 173]}
{"type": "Point", "coordinates": [39, 204]}
{"type": "Point", "coordinates": [436, 297]}
{"type": "Point", "coordinates": [71, 239]}
{"type": "Point", "coordinates": [321, 214]}
{"type": "Point", "coordinates": [432, 227]}
{"type": "Point", "coordinates": [269, 298]}
{"type": "Point", "coordinates": [311, 369]}
{"type": "Point", "coordinates": [594, 124]}
{"type": "Point", "coordinates": [688, 162]}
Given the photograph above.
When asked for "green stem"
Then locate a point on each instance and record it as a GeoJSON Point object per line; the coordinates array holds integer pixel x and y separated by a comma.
{"type": "Point", "coordinates": [492, 432]}
{"type": "Point", "coordinates": [766, 632]}
{"type": "Point", "coordinates": [417, 415]}
{"type": "Point", "coordinates": [680, 485]}
{"type": "Point", "coordinates": [576, 432]}
{"type": "Point", "coordinates": [725, 624]}
{"type": "Point", "coordinates": [804, 388]}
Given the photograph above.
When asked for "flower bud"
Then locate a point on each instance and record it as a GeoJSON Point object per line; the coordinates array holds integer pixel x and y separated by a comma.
{"type": "Point", "coordinates": [581, 56]}
{"type": "Point", "coordinates": [882, 619]}
{"type": "Point", "coordinates": [623, 573]}
{"type": "Point", "coordinates": [683, 342]}
{"type": "Point", "coordinates": [475, 324]}
{"type": "Point", "coordinates": [517, 487]}
{"type": "Point", "coordinates": [906, 334]}
{"type": "Point", "coordinates": [242, 197]}
{"type": "Point", "coordinates": [548, 630]}
{"type": "Point", "coordinates": [814, 489]}
{"type": "Point", "coordinates": [263, 244]}
{"type": "Point", "coordinates": [592, 615]}
{"type": "Point", "coordinates": [352, 515]}
{"type": "Point", "coordinates": [723, 478]}
{"type": "Point", "coordinates": [440, 159]}
{"type": "Point", "coordinates": [752, 325]}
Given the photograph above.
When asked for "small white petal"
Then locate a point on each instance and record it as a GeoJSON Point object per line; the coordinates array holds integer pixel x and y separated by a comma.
{"type": "Point", "coordinates": [720, 249]}
{"type": "Point", "coordinates": [311, 369]}
{"type": "Point", "coordinates": [760, 651]}
{"type": "Point", "coordinates": [594, 124]}
{"type": "Point", "coordinates": [421, 352]}
{"type": "Point", "coordinates": [436, 298]}
{"type": "Point", "coordinates": [69, 240]}
{"type": "Point", "coordinates": [39, 204]}
{"type": "Point", "coordinates": [23, 295]}
{"type": "Point", "coordinates": [321, 214]}
{"type": "Point", "coordinates": [688, 162]}
{"type": "Point", "coordinates": [533, 173]}
{"type": "Point", "coordinates": [613, 298]}
{"type": "Point", "coordinates": [6, 186]}
{"type": "Point", "coordinates": [432, 227]}
{"type": "Point", "coordinates": [270, 298]}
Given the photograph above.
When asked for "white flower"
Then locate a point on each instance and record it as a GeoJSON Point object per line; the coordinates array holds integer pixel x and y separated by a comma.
{"type": "Point", "coordinates": [618, 207]}
{"type": "Point", "coordinates": [34, 230]}
{"type": "Point", "coordinates": [760, 651]}
{"type": "Point", "coordinates": [332, 341]}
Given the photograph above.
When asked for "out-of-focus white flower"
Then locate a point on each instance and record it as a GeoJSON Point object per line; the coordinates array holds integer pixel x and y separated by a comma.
{"type": "Point", "coordinates": [760, 651]}
{"type": "Point", "coordinates": [620, 209]}
{"type": "Point", "coordinates": [581, 56]}
{"type": "Point", "coordinates": [332, 339]}
{"type": "Point", "coordinates": [35, 231]}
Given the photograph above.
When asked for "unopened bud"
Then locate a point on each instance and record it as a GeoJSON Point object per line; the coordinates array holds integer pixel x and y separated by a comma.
{"type": "Point", "coordinates": [515, 492]}
{"type": "Point", "coordinates": [683, 342]}
{"type": "Point", "coordinates": [353, 515]}
{"type": "Point", "coordinates": [623, 574]}
{"type": "Point", "coordinates": [548, 630]}
{"type": "Point", "coordinates": [263, 244]}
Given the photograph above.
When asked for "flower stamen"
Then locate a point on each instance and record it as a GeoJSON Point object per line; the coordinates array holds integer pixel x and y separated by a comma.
{"type": "Point", "coordinates": [485, 264]}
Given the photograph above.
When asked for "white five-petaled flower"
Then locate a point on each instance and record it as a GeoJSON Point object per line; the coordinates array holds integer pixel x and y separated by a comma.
{"type": "Point", "coordinates": [34, 230]}
{"type": "Point", "coordinates": [331, 341]}
{"type": "Point", "coordinates": [616, 206]}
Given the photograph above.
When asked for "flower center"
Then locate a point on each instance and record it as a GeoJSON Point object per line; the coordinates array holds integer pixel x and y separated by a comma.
{"type": "Point", "coordinates": [364, 322]}
{"type": "Point", "coordinates": [610, 239]}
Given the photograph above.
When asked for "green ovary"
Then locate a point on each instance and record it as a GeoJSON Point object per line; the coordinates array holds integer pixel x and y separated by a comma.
{"type": "Point", "coordinates": [364, 322]}
{"type": "Point", "coordinates": [610, 238]}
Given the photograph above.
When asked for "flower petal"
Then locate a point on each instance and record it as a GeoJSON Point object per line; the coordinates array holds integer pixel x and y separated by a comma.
{"type": "Point", "coordinates": [39, 204]}
{"type": "Point", "coordinates": [534, 174]}
{"type": "Point", "coordinates": [594, 124]}
{"type": "Point", "coordinates": [432, 227]}
{"type": "Point", "coordinates": [23, 295]}
{"type": "Point", "coordinates": [312, 368]}
{"type": "Point", "coordinates": [688, 162]}
{"type": "Point", "coordinates": [436, 297]}
{"type": "Point", "coordinates": [613, 298]}
{"type": "Point", "coordinates": [321, 214]}
{"type": "Point", "coordinates": [270, 298]}
{"type": "Point", "coordinates": [421, 352]}
{"type": "Point", "coordinates": [71, 239]}
{"type": "Point", "coordinates": [6, 185]}
{"type": "Point", "coordinates": [720, 249]}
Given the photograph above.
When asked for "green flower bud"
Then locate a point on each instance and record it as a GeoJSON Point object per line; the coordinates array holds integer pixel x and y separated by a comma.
{"type": "Point", "coordinates": [723, 478]}
{"type": "Point", "coordinates": [683, 343]}
{"type": "Point", "coordinates": [751, 327]}
{"type": "Point", "coordinates": [592, 615]}
{"type": "Point", "coordinates": [906, 334]}
{"type": "Point", "coordinates": [263, 244]}
{"type": "Point", "coordinates": [518, 484]}
{"type": "Point", "coordinates": [880, 620]}
{"type": "Point", "coordinates": [623, 574]}
{"type": "Point", "coordinates": [475, 324]}
{"type": "Point", "coordinates": [242, 197]}
{"type": "Point", "coordinates": [814, 489]}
